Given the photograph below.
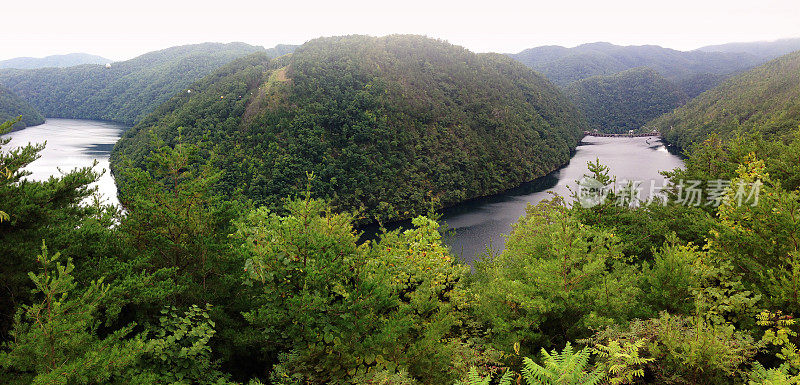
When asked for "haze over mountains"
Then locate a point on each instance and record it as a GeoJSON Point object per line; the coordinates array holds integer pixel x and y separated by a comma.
{"type": "Point", "coordinates": [68, 60]}
{"type": "Point", "coordinates": [594, 75]}
{"type": "Point", "coordinates": [566, 65]}
{"type": "Point", "coordinates": [764, 100]}
{"type": "Point", "coordinates": [623, 97]}
{"type": "Point", "coordinates": [127, 90]}
{"type": "Point", "coordinates": [764, 50]}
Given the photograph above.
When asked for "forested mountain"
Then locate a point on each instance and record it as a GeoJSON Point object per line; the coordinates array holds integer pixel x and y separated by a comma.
{"type": "Point", "coordinates": [68, 60]}
{"type": "Point", "coordinates": [765, 99]}
{"type": "Point", "coordinates": [12, 106]}
{"type": "Point", "coordinates": [625, 101]}
{"type": "Point", "coordinates": [566, 65]}
{"type": "Point", "coordinates": [193, 283]}
{"type": "Point", "coordinates": [128, 90]}
{"type": "Point", "coordinates": [767, 50]}
{"type": "Point", "coordinates": [606, 99]}
{"type": "Point", "coordinates": [393, 125]}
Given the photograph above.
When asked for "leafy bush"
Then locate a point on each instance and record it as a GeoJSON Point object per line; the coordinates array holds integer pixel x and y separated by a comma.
{"type": "Point", "coordinates": [555, 278]}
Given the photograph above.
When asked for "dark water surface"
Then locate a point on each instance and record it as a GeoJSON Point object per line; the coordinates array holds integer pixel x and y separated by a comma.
{"type": "Point", "coordinates": [72, 143]}
{"type": "Point", "coordinates": [482, 223]}
{"type": "Point", "coordinates": [474, 225]}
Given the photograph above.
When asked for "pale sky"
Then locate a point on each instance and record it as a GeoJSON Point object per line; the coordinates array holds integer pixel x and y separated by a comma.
{"type": "Point", "coordinates": [120, 30]}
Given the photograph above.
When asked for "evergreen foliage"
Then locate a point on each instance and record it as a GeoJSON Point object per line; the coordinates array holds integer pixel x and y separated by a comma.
{"type": "Point", "coordinates": [34, 211]}
{"type": "Point", "coordinates": [202, 279]}
{"type": "Point", "coordinates": [55, 339]}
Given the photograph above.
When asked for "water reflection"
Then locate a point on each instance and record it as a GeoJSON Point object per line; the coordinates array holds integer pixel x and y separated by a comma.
{"type": "Point", "coordinates": [481, 223]}
{"type": "Point", "coordinates": [72, 143]}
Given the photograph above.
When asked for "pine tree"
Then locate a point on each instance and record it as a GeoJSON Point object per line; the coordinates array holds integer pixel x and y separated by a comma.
{"type": "Point", "coordinates": [33, 211]}
{"type": "Point", "coordinates": [55, 340]}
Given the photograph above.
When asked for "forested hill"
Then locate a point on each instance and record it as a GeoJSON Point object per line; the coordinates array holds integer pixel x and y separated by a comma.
{"type": "Point", "coordinates": [394, 125]}
{"type": "Point", "coordinates": [68, 60]}
{"type": "Point", "coordinates": [12, 107]}
{"type": "Point", "coordinates": [566, 65]}
{"type": "Point", "coordinates": [625, 101]}
{"type": "Point", "coordinates": [128, 90]}
{"type": "Point", "coordinates": [765, 99]}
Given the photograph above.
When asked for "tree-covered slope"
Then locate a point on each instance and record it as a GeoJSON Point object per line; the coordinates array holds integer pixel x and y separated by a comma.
{"type": "Point", "coordinates": [625, 101]}
{"type": "Point", "coordinates": [68, 60]}
{"type": "Point", "coordinates": [566, 65]}
{"type": "Point", "coordinates": [126, 91]}
{"type": "Point", "coordinates": [765, 99]}
{"type": "Point", "coordinates": [393, 124]}
{"type": "Point", "coordinates": [12, 106]}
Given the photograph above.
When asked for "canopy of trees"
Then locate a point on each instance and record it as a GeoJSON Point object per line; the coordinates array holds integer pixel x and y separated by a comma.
{"type": "Point", "coordinates": [126, 91]}
{"type": "Point", "coordinates": [12, 106]}
{"type": "Point", "coordinates": [190, 287]}
{"type": "Point", "coordinates": [625, 101]}
{"type": "Point", "coordinates": [194, 283]}
{"type": "Point", "coordinates": [765, 99]}
{"type": "Point", "coordinates": [367, 116]}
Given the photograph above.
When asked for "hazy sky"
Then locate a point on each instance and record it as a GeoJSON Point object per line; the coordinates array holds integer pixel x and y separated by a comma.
{"type": "Point", "coordinates": [120, 29]}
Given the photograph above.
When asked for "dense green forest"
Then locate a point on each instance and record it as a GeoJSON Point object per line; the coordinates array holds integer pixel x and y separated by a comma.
{"type": "Point", "coordinates": [765, 99]}
{"type": "Point", "coordinates": [128, 90]}
{"type": "Point", "coordinates": [596, 77]}
{"type": "Point", "coordinates": [566, 65]}
{"type": "Point", "coordinates": [188, 286]}
{"type": "Point", "coordinates": [12, 106]}
{"type": "Point", "coordinates": [198, 279]}
{"type": "Point", "coordinates": [625, 101]}
{"type": "Point", "coordinates": [389, 126]}
{"type": "Point", "coordinates": [68, 60]}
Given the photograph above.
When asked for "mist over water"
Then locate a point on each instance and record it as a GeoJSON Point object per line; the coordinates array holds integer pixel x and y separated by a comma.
{"type": "Point", "coordinates": [72, 143]}
{"type": "Point", "coordinates": [482, 223]}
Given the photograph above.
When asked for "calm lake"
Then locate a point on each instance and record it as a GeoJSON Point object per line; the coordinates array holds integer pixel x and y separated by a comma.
{"type": "Point", "coordinates": [72, 143]}
{"type": "Point", "coordinates": [475, 225]}
{"type": "Point", "coordinates": [481, 223]}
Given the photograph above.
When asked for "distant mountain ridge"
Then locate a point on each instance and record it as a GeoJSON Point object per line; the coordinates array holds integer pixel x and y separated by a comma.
{"type": "Point", "coordinates": [566, 65]}
{"type": "Point", "coordinates": [767, 50]}
{"type": "Point", "coordinates": [59, 61]}
{"type": "Point", "coordinates": [606, 99]}
{"type": "Point", "coordinates": [765, 99]}
{"type": "Point", "coordinates": [128, 90]}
